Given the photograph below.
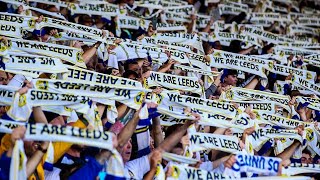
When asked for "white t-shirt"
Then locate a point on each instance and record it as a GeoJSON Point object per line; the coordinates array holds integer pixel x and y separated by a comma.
{"type": "Point", "coordinates": [54, 174]}
{"type": "Point", "coordinates": [137, 168]}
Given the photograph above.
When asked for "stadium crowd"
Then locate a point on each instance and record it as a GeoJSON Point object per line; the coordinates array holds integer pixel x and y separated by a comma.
{"type": "Point", "coordinates": [159, 89]}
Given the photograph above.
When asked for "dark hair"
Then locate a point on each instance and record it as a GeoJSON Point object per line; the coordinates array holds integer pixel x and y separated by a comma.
{"type": "Point", "coordinates": [235, 46]}
{"type": "Point", "coordinates": [267, 47]}
{"type": "Point", "coordinates": [128, 73]}
{"type": "Point", "coordinates": [109, 70]}
{"type": "Point", "coordinates": [129, 62]}
{"type": "Point", "coordinates": [84, 18]}
{"type": "Point", "coordinates": [306, 151]}
{"type": "Point", "coordinates": [50, 115]}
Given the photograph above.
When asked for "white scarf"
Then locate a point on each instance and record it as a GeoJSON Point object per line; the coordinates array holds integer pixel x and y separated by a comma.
{"type": "Point", "coordinates": [204, 141]}
{"type": "Point", "coordinates": [250, 67]}
{"type": "Point", "coordinates": [170, 27]}
{"type": "Point", "coordinates": [129, 96]}
{"type": "Point", "coordinates": [299, 168]}
{"type": "Point", "coordinates": [261, 136]}
{"type": "Point", "coordinates": [265, 35]}
{"type": "Point", "coordinates": [174, 82]}
{"type": "Point", "coordinates": [225, 38]}
{"type": "Point", "coordinates": [282, 121]}
{"type": "Point", "coordinates": [306, 84]}
{"type": "Point", "coordinates": [11, 30]}
{"type": "Point", "coordinates": [198, 103]}
{"type": "Point", "coordinates": [256, 164]}
{"type": "Point", "coordinates": [79, 74]}
{"type": "Point", "coordinates": [287, 70]}
{"type": "Point", "coordinates": [177, 158]}
{"type": "Point", "coordinates": [70, 54]}
{"type": "Point", "coordinates": [185, 172]}
{"type": "Point", "coordinates": [92, 9]}
{"type": "Point", "coordinates": [190, 39]}
{"type": "Point", "coordinates": [55, 2]}
{"type": "Point", "coordinates": [18, 165]}
{"type": "Point", "coordinates": [21, 106]}
{"type": "Point", "coordinates": [34, 63]}
{"type": "Point", "coordinates": [16, 20]}
{"type": "Point", "coordinates": [245, 94]}
{"type": "Point", "coordinates": [312, 103]}
{"type": "Point", "coordinates": [229, 9]}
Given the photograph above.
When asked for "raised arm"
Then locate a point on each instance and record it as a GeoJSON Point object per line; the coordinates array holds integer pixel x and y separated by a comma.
{"type": "Point", "coordinates": [156, 131]}
{"type": "Point", "coordinates": [176, 136]}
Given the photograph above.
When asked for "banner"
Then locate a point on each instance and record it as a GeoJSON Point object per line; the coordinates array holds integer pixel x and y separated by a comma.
{"type": "Point", "coordinates": [250, 67]}
{"type": "Point", "coordinates": [287, 70]}
{"type": "Point", "coordinates": [78, 74]}
{"type": "Point", "coordinates": [306, 84]}
{"type": "Point", "coordinates": [311, 103]}
{"type": "Point", "coordinates": [204, 141]}
{"type": "Point", "coordinates": [70, 54]}
{"type": "Point", "coordinates": [300, 168]}
{"type": "Point", "coordinates": [189, 173]}
{"type": "Point", "coordinates": [282, 121]}
{"type": "Point", "coordinates": [195, 70]}
{"type": "Point", "coordinates": [170, 27]}
{"type": "Point", "coordinates": [174, 82]}
{"type": "Point", "coordinates": [261, 136]}
{"type": "Point", "coordinates": [190, 39]}
{"type": "Point", "coordinates": [225, 38]}
{"type": "Point", "coordinates": [198, 103]}
{"type": "Point", "coordinates": [12, 31]}
{"type": "Point", "coordinates": [256, 164]}
{"type": "Point", "coordinates": [54, 133]}
{"type": "Point", "coordinates": [236, 93]}
{"type": "Point", "coordinates": [103, 93]}
{"type": "Point", "coordinates": [34, 63]}
{"type": "Point", "coordinates": [177, 158]}
{"type": "Point", "coordinates": [92, 9]}
{"type": "Point", "coordinates": [16, 20]}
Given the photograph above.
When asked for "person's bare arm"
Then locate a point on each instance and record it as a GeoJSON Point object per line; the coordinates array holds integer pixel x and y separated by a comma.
{"type": "Point", "coordinates": [190, 26]}
{"type": "Point", "coordinates": [170, 141]}
{"type": "Point", "coordinates": [32, 162]}
{"type": "Point", "coordinates": [216, 163]}
{"type": "Point", "coordinates": [121, 110]}
{"type": "Point", "coordinates": [246, 51]}
{"type": "Point", "coordinates": [208, 27]}
{"type": "Point", "coordinates": [128, 130]}
{"type": "Point", "coordinates": [35, 159]}
{"type": "Point", "coordinates": [39, 115]}
{"type": "Point", "coordinates": [101, 108]}
{"type": "Point", "coordinates": [88, 54]}
{"type": "Point", "coordinates": [252, 84]}
{"type": "Point", "coordinates": [156, 131]}
{"type": "Point", "coordinates": [155, 157]}
{"type": "Point", "coordinates": [167, 66]}
{"type": "Point", "coordinates": [287, 153]}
